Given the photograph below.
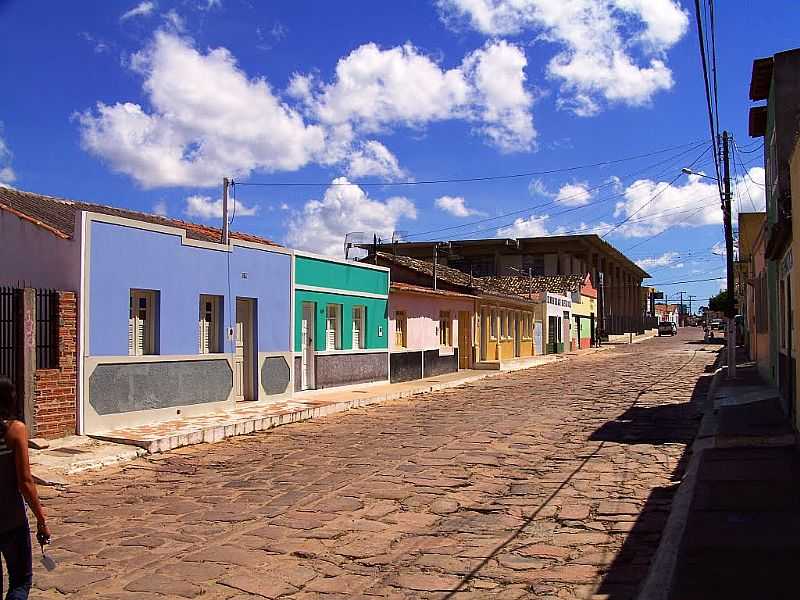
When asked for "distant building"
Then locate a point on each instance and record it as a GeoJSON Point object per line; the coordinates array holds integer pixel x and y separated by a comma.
{"type": "Point", "coordinates": [776, 80]}
{"type": "Point", "coordinates": [621, 307]}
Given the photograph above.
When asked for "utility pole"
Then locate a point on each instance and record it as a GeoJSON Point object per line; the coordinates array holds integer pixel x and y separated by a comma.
{"type": "Point", "coordinates": [435, 261]}
{"type": "Point", "coordinates": [691, 297]}
{"type": "Point", "coordinates": [225, 233]}
{"type": "Point", "coordinates": [730, 309]}
{"type": "Point", "coordinates": [680, 311]}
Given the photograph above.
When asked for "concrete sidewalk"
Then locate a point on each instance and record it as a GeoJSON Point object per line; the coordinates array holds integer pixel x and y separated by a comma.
{"type": "Point", "coordinates": [735, 531]}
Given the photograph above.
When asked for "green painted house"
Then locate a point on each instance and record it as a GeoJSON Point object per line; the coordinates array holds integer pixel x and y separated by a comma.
{"type": "Point", "coordinates": [341, 332]}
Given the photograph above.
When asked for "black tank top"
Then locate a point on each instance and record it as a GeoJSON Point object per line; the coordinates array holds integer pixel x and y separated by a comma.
{"type": "Point", "coordinates": [13, 513]}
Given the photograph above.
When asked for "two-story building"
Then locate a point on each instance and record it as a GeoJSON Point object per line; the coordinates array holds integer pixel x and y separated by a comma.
{"type": "Point", "coordinates": [776, 80]}
{"type": "Point", "coordinates": [621, 308]}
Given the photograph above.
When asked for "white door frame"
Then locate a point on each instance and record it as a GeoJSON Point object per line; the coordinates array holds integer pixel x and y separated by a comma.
{"type": "Point", "coordinates": [307, 333]}
{"type": "Point", "coordinates": [244, 384]}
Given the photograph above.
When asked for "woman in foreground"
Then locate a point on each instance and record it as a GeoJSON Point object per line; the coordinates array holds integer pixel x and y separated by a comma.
{"type": "Point", "coordinates": [16, 488]}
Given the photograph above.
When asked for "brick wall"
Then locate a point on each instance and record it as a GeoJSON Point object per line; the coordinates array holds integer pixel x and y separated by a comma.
{"type": "Point", "coordinates": [55, 401]}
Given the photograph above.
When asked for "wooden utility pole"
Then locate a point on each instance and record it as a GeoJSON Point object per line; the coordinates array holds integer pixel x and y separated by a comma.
{"type": "Point", "coordinates": [730, 309]}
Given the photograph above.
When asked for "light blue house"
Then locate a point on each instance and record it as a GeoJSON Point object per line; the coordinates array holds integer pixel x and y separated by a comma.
{"type": "Point", "coordinates": [172, 321]}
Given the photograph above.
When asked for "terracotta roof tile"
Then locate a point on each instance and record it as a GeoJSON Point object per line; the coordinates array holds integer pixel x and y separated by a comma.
{"type": "Point", "coordinates": [58, 216]}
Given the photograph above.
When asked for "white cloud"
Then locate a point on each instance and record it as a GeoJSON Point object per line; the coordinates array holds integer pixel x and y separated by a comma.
{"type": "Point", "coordinates": [665, 260]}
{"type": "Point", "coordinates": [574, 194]}
{"type": "Point", "coordinates": [655, 206]}
{"type": "Point", "coordinates": [501, 100]}
{"type": "Point", "coordinates": [375, 89]}
{"type": "Point", "coordinates": [533, 226]}
{"type": "Point", "coordinates": [322, 224]}
{"type": "Point", "coordinates": [284, 206]}
{"type": "Point", "coordinates": [7, 174]}
{"type": "Point", "coordinates": [207, 119]}
{"type": "Point", "coordinates": [204, 207]}
{"type": "Point", "coordinates": [140, 10]}
{"type": "Point", "coordinates": [456, 206]}
{"type": "Point", "coordinates": [373, 158]}
{"type": "Point", "coordinates": [160, 208]}
{"type": "Point", "coordinates": [611, 50]}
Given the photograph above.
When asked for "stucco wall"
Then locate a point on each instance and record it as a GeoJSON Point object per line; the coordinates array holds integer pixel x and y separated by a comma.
{"type": "Point", "coordinates": [36, 258]}
{"type": "Point", "coordinates": [375, 326]}
{"type": "Point", "coordinates": [125, 257]}
{"type": "Point", "coordinates": [422, 313]}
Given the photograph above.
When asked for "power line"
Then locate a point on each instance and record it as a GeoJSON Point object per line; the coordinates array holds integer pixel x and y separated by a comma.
{"type": "Point", "coordinates": [704, 64]}
{"type": "Point", "coordinates": [527, 209]}
{"type": "Point", "coordinates": [467, 179]}
{"type": "Point", "coordinates": [659, 193]}
{"type": "Point", "coordinates": [552, 202]}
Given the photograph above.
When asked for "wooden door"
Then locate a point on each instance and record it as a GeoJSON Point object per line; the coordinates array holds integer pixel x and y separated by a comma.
{"type": "Point", "coordinates": [244, 388]}
{"type": "Point", "coordinates": [464, 340]}
{"type": "Point", "coordinates": [307, 355]}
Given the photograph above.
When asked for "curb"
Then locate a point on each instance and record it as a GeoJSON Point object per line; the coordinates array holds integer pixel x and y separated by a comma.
{"type": "Point", "coordinates": [661, 575]}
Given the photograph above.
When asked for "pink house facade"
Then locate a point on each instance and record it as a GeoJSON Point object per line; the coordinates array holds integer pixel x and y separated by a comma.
{"type": "Point", "coordinates": [430, 331]}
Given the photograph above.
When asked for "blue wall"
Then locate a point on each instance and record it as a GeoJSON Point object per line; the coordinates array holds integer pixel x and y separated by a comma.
{"type": "Point", "coordinates": [123, 258]}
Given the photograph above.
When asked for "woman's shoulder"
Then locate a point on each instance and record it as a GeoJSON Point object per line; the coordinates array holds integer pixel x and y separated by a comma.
{"type": "Point", "coordinates": [15, 430]}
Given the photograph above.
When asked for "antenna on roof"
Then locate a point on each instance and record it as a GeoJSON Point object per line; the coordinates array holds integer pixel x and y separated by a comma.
{"type": "Point", "coordinates": [353, 238]}
{"type": "Point", "coordinates": [397, 237]}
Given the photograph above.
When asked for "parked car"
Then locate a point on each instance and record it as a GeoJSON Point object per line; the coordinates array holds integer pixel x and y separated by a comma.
{"type": "Point", "coordinates": [718, 324]}
{"type": "Point", "coordinates": [667, 328]}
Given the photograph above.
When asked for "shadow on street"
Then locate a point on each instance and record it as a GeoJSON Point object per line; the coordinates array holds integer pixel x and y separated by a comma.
{"type": "Point", "coordinates": [660, 424]}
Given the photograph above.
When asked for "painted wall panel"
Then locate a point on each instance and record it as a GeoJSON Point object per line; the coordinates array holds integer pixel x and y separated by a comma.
{"type": "Point", "coordinates": [376, 319]}
{"type": "Point", "coordinates": [123, 257]}
{"type": "Point", "coordinates": [422, 313]}
{"type": "Point", "coordinates": [34, 257]}
{"type": "Point", "coordinates": [350, 277]}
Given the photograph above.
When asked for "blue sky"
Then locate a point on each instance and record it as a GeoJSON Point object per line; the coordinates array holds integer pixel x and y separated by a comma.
{"type": "Point", "coordinates": [147, 105]}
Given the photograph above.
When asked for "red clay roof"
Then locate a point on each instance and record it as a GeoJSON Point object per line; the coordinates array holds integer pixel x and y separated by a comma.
{"type": "Point", "coordinates": [419, 289]}
{"type": "Point", "coordinates": [57, 215]}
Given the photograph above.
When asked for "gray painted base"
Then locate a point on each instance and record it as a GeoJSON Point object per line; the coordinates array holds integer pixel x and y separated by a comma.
{"type": "Point", "coordinates": [125, 387]}
{"type": "Point", "coordinates": [333, 370]}
{"type": "Point", "coordinates": [347, 369]}
{"type": "Point", "coordinates": [275, 375]}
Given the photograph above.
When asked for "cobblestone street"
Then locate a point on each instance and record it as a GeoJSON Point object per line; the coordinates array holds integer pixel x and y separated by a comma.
{"type": "Point", "coordinates": [554, 482]}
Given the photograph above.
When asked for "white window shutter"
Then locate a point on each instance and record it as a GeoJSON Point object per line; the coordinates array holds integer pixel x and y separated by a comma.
{"type": "Point", "coordinates": [140, 333]}
{"type": "Point", "coordinates": [330, 339]}
{"type": "Point", "coordinates": [131, 337]}
{"type": "Point", "coordinates": [204, 346]}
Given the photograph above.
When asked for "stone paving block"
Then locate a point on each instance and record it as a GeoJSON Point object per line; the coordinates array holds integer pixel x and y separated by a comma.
{"type": "Point", "coordinates": [519, 475]}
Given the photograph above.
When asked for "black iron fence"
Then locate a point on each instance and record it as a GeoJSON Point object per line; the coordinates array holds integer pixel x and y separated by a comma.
{"type": "Point", "coordinates": [9, 332]}
{"type": "Point", "coordinates": [46, 329]}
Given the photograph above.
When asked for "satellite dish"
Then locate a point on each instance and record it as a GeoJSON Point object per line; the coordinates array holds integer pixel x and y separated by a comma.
{"type": "Point", "coordinates": [353, 238]}
{"type": "Point", "coordinates": [399, 236]}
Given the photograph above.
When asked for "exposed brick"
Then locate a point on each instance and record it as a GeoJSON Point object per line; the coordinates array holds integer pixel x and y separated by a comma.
{"type": "Point", "coordinates": [55, 403]}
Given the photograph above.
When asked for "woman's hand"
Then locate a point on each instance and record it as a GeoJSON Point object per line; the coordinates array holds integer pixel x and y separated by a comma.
{"type": "Point", "coordinates": [42, 529]}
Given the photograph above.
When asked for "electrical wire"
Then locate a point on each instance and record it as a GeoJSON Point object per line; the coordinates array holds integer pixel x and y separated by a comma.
{"type": "Point", "coordinates": [468, 179]}
{"type": "Point", "coordinates": [704, 64]}
{"type": "Point", "coordinates": [654, 197]}
{"type": "Point", "coordinates": [543, 205]}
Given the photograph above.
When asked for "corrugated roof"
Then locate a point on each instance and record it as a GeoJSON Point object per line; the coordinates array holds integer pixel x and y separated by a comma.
{"type": "Point", "coordinates": [57, 215]}
{"type": "Point", "coordinates": [524, 286]}
{"type": "Point", "coordinates": [514, 287]}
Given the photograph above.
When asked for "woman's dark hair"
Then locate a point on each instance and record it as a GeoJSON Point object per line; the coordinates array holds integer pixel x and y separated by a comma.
{"type": "Point", "coordinates": [8, 402]}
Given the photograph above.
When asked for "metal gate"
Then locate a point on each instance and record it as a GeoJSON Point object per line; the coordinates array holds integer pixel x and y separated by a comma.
{"type": "Point", "coordinates": [9, 332]}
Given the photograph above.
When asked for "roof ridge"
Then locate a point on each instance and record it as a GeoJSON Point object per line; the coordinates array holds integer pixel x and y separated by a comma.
{"type": "Point", "coordinates": [71, 204]}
